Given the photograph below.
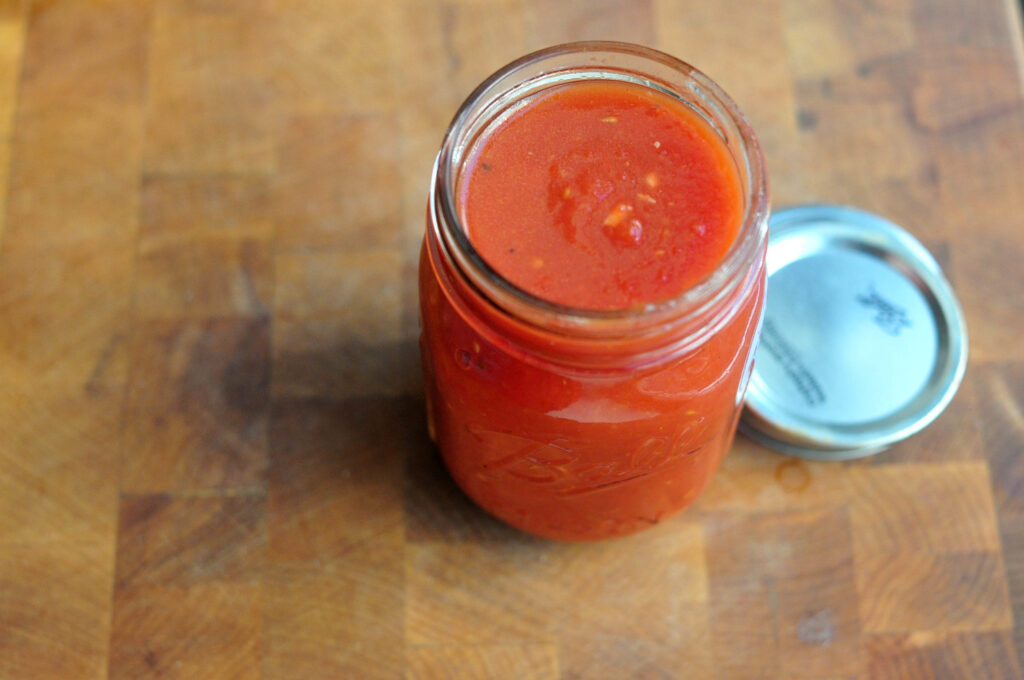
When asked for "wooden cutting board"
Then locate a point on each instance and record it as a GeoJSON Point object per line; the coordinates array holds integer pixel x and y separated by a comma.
{"type": "Point", "coordinates": [213, 462]}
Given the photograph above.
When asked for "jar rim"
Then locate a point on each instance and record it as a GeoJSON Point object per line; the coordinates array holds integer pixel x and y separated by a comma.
{"type": "Point", "coordinates": [495, 93]}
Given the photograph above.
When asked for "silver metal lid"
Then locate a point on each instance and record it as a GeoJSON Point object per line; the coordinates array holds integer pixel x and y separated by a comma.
{"type": "Point", "coordinates": [863, 342]}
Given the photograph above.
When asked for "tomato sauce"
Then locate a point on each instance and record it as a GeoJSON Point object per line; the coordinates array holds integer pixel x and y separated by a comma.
{"type": "Point", "coordinates": [596, 196]}
{"type": "Point", "coordinates": [602, 196]}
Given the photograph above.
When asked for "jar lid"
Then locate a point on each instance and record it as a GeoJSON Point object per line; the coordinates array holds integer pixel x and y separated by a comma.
{"type": "Point", "coordinates": [863, 341]}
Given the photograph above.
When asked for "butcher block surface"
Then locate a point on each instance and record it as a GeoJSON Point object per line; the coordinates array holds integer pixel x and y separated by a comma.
{"type": "Point", "coordinates": [213, 455]}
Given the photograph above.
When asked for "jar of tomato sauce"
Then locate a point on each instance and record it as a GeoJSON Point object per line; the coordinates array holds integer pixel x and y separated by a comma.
{"type": "Point", "coordinates": [591, 287]}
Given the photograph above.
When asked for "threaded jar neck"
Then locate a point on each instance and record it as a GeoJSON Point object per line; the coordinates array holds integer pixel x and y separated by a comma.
{"type": "Point", "coordinates": [638, 334]}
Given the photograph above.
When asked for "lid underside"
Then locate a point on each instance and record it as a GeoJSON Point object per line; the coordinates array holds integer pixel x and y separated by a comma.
{"type": "Point", "coordinates": [863, 342]}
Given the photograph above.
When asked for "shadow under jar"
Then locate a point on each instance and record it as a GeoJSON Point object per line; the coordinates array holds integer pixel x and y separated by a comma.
{"type": "Point", "coordinates": [585, 371]}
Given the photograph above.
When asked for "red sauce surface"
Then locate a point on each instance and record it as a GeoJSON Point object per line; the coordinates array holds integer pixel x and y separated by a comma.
{"type": "Point", "coordinates": [602, 196]}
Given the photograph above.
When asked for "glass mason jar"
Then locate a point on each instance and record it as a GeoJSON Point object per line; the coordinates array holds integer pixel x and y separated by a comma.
{"type": "Point", "coordinates": [577, 424]}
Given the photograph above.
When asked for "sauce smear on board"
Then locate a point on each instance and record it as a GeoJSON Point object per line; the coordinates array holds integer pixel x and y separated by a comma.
{"type": "Point", "coordinates": [602, 196]}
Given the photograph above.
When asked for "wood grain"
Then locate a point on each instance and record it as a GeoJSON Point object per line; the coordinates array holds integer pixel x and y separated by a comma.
{"type": "Point", "coordinates": [12, 46]}
{"type": "Point", "coordinates": [213, 455]}
{"type": "Point", "coordinates": [196, 408]}
{"type": "Point", "coordinates": [209, 104]}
